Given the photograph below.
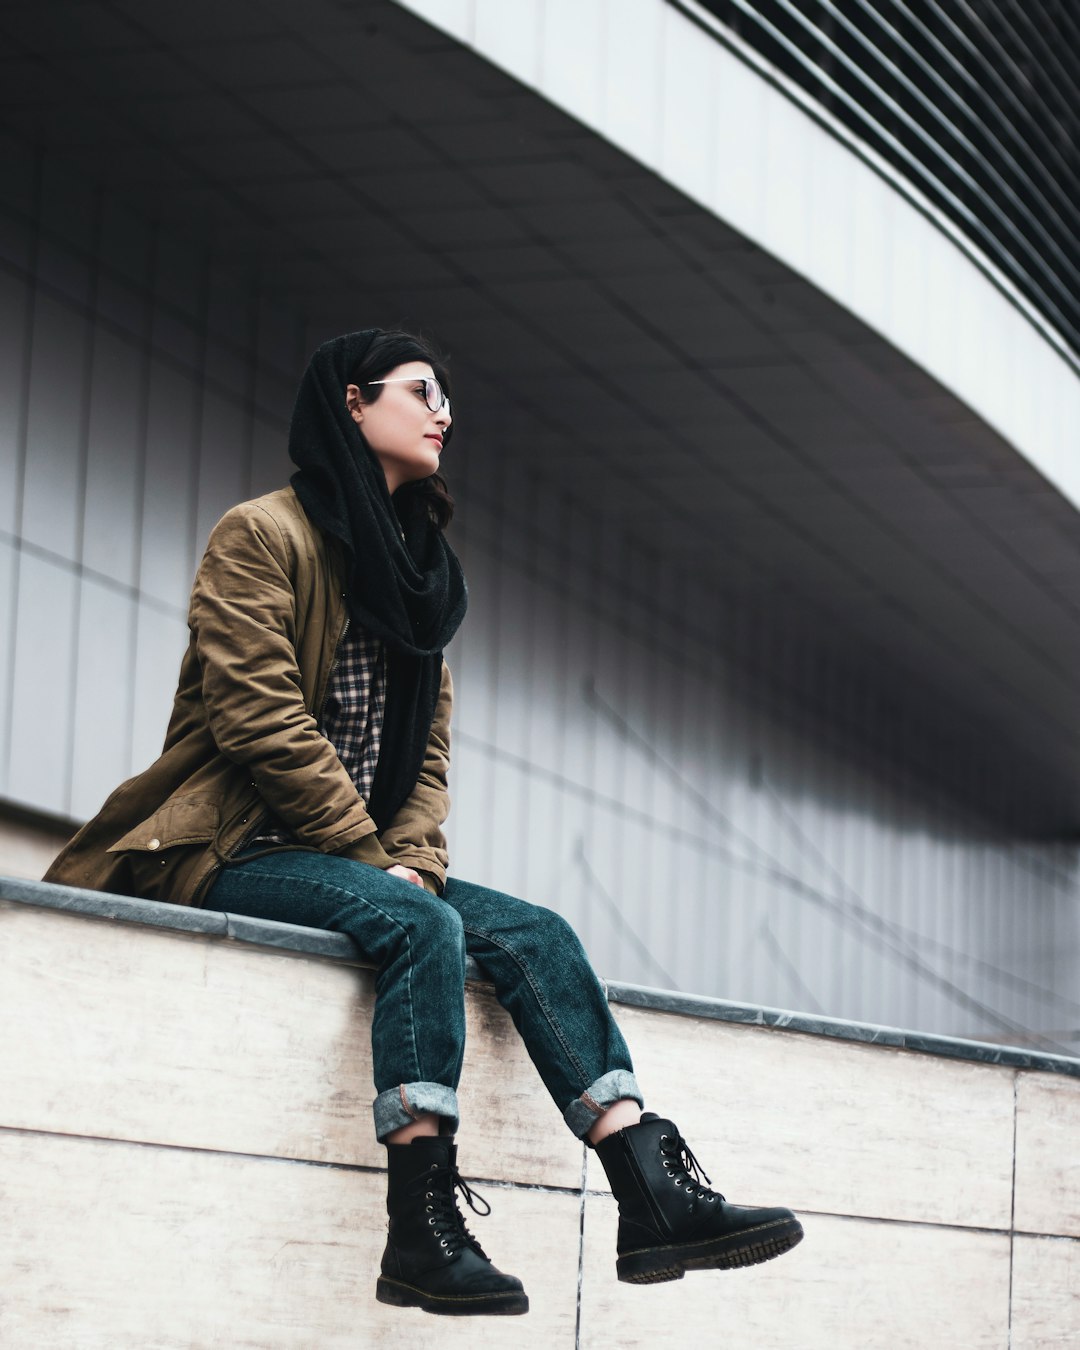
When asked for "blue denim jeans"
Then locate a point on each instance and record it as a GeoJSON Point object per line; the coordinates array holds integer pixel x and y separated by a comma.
{"type": "Point", "coordinates": [418, 943]}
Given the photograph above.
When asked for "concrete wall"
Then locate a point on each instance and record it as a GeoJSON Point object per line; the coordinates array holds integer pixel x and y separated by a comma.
{"type": "Point", "coordinates": [28, 844]}
{"type": "Point", "coordinates": [186, 1159]}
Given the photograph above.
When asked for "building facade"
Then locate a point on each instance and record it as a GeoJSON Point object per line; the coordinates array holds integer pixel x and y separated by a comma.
{"type": "Point", "coordinates": [764, 336]}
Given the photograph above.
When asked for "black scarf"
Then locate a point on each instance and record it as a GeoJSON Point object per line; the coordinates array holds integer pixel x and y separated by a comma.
{"type": "Point", "coordinates": [405, 584]}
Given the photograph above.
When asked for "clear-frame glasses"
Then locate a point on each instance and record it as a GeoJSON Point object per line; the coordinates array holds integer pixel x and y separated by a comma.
{"type": "Point", "coordinates": [433, 390]}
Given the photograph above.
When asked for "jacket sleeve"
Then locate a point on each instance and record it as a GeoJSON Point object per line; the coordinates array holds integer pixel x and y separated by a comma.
{"type": "Point", "coordinates": [414, 837]}
{"type": "Point", "coordinates": [243, 619]}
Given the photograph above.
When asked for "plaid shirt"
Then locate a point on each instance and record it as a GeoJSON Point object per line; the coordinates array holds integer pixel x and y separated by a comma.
{"type": "Point", "coordinates": [352, 717]}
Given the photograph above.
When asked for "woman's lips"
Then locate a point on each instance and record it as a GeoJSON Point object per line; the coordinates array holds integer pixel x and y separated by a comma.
{"type": "Point", "coordinates": [436, 439]}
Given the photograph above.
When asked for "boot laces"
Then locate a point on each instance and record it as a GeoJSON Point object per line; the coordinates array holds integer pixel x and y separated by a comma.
{"type": "Point", "coordinates": [439, 1185]}
{"type": "Point", "coordinates": [685, 1170]}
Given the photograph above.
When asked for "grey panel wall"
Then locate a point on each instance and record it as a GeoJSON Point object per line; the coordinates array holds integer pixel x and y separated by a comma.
{"type": "Point", "coordinates": [704, 831]}
{"type": "Point", "coordinates": [613, 757]}
{"type": "Point", "coordinates": [144, 387]}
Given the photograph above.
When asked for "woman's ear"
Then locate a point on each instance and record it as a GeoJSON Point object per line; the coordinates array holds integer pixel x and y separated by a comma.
{"type": "Point", "coordinates": [352, 402]}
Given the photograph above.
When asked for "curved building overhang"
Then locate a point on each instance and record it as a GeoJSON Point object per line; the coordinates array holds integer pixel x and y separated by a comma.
{"type": "Point", "coordinates": [737, 369]}
{"type": "Point", "coordinates": [665, 81]}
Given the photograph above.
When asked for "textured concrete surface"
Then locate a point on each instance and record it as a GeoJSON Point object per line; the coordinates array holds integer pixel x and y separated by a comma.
{"type": "Point", "coordinates": [187, 1159]}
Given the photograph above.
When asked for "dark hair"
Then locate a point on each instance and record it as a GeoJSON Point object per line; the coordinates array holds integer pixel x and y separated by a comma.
{"type": "Point", "coordinates": [389, 349]}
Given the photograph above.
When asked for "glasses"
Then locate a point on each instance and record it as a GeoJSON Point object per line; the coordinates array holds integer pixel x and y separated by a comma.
{"type": "Point", "coordinates": [433, 390]}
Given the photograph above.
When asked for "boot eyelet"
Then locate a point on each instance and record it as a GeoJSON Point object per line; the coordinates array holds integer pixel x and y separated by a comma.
{"type": "Point", "coordinates": [432, 1222]}
{"type": "Point", "coordinates": [442, 1243]}
{"type": "Point", "coordinates": [428, 1209]}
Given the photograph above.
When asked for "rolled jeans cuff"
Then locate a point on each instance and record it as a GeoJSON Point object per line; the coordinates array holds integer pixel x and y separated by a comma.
{"type": "Point", "coordinates": [402, 1105]}
{"type": "Point", "coordinates": [584, 1111]}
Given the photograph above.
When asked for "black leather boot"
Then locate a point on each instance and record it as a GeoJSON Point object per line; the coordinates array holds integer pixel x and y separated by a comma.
{"type": "Point", "coordinates": [432, 1261]}
{"type": "Point", "coordinates": [669, 1221]}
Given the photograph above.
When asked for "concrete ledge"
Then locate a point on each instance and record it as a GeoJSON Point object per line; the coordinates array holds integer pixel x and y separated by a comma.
{"type": "Point", "coordinates": [287, 937]}
{"type": "Point", "coordinates": [338, 947]}
{"type": "Point", "coordinates": [187, 1158]}
{"type": "Point", "coordinates": [921, 1042]}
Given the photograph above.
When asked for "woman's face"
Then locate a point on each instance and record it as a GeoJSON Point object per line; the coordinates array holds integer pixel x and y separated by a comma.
{"type": "Point", "coordinates": [405, 436]}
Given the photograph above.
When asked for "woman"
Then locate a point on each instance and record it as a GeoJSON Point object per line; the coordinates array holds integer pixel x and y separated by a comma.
{"type": "Point", "coordinates": [303, 779]}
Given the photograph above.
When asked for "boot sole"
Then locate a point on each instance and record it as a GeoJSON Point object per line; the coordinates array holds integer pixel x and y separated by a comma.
{"type": "Point", "coordinates": [656, 1265]}
{"type": "Point", "coordinates": [401, 1295]}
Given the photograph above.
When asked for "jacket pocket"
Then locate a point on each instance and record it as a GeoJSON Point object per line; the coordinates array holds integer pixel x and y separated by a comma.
{"type": "Point", "coordinates": [183, 820]}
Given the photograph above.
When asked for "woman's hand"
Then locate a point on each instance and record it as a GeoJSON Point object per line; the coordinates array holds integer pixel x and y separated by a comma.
{"type": "Point", "coordinates": [406, 874]}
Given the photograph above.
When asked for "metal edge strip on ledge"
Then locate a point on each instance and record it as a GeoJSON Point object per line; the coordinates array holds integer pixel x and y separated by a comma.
{"type": "Point", "coordinates": [338, 947]}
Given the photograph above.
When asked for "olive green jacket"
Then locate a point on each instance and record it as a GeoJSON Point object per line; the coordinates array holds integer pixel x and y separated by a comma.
{"type": "Point", "coordinates": [267, 613]}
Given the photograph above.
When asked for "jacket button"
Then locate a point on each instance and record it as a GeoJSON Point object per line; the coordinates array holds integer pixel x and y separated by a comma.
{"type": "Point", "coordinates": [154, 843]}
